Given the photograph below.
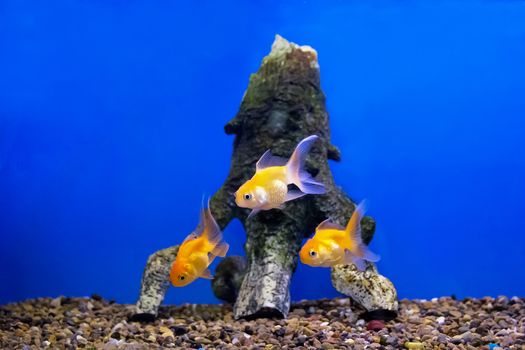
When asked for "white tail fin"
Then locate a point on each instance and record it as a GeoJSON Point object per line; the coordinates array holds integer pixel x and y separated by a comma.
{"type": "Point", "coordinates": [297, 175]}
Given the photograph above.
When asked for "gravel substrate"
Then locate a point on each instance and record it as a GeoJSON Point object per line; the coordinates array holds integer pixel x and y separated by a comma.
{"type": "Point", "coordinates": [91, 323]}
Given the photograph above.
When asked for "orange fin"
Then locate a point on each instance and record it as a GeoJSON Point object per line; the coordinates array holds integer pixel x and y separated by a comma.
{"type": "Point", "coordinates": [361, 253]}
{"type": "Point", "coordinates": [354, 224]}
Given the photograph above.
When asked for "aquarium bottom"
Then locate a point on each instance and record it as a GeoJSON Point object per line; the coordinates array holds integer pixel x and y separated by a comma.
{"type": "Point", "coordinates": [442, 323]}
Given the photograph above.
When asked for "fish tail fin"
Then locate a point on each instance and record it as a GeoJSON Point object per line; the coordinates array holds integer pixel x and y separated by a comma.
{"type": "Point", "coordinates": [297, 174]}
{"type": "Point", "coordinates": [213, 233]}
{"type": "Point", "coordinates": [360, 252]}
{"type": "Point", "coordinates": [353, 228]}
{"type": "Point", "coordinates": [211, 228]}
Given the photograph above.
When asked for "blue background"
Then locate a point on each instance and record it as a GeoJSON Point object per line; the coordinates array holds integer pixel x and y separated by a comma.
{"type": "Point", "coordinates": [111, 129]}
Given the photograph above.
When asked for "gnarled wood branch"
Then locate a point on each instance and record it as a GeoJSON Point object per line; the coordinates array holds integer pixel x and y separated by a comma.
{"type": "Point", "coordinates": [282, 105]}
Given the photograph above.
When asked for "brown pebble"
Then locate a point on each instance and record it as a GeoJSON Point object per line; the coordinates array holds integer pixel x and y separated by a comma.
{"type": "Point", "coordinates": [470, 324]}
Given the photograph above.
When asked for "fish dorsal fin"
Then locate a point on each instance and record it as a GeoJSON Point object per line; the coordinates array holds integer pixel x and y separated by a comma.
{"type": "Point", "coordinates": [206, 274]}
{"type": "Point", "coordinates": [198, 230]}
{"type": "Point", "coordinates": [206, 223]}
{"type": "Point", "coordinates": [328, 225]}
{"type": "Point", "coordinates": [191, 237]}
{"type": "Point", "coordinates": [268, 160]}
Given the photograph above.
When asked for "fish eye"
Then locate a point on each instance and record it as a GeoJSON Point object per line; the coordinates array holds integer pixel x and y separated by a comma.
{"type": "Point", "coordinates": [182, 278]}
{"type": "Point", "coordinates": [313, 253]}
{"type": "Point", "coordinates": [247, 196]}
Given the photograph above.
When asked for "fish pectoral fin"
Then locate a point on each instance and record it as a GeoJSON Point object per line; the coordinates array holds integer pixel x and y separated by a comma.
{"type": "Point", "coordinates": [206, 274]}
{"type": "Point", "coordinates": [253, 212]}
{"type": "Point", "coordinates": [293, 194]}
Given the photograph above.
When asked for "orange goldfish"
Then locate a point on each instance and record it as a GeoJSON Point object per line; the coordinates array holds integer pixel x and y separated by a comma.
{"type": "Point", "coordinates": [268, 188]}
{"type": "Point", "coordinates": [332, 244]}
{"type": "Point", "coordinates": [198, 251]}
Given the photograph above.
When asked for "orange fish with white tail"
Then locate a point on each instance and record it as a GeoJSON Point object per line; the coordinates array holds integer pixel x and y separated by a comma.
{"type": "Point", "coordinates": [198, 251]}
{"type": "Point", "coordinates": [268, 188]}
{"type": "Point", "coordinates": [333, 245]}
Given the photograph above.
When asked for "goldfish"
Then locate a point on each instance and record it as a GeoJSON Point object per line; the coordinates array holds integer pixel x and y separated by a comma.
{"type": "Point", "coordinates": [198, 251]}
{"type": "Point", "coordinates": [333, 244]}
{"type": "Point", "coordinates": [268, 188]}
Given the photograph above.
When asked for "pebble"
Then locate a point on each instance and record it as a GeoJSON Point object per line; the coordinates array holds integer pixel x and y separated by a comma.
{"type": "Point", "coordinates": [57, 302]}
{"type": "Point", "coordinates": [455, 314]}
{"type": "Point", "coordinates": [375, 325]}
{"type": "Point", "coordinates": [81, 340]}
{"type": "Point", "coordinates": [414, 345]}
{"type": "Point", "coordinates": [323, 324]}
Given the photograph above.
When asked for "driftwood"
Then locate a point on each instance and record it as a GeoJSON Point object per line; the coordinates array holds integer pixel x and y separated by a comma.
{"type": "Point", "coordinates": [282, 105]}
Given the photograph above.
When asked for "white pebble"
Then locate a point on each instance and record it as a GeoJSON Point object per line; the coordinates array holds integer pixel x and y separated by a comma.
{"type": "Point", "coordinates": [434, 300]}
{"type": "Point", "coordinates": [57, 302]}
{"type": "Point", "coordinates": [440, 320]}
{"type": "Point", "coordinates": [323, 324]}
{"type": "Point", "coordinates": [81, 340]}
{"type": "Point", "coordinates": [360, 322]}
{"type": "Point", "coordinates": [117, 327]}
{"type": "Point", "coordinates": [247, 336]}
{"type": "Point", "coordinates": [344, 301]}
{"type": "Point", "coordinates": [235, 341]}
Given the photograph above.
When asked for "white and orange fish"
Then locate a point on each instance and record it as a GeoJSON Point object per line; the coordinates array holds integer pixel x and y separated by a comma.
{"type": "Point", "coordinates": [268, 188]}
{"type": "Point", "coordinates": [198, 251]}
{"type": "Point", "coordinates": [333, 245]}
